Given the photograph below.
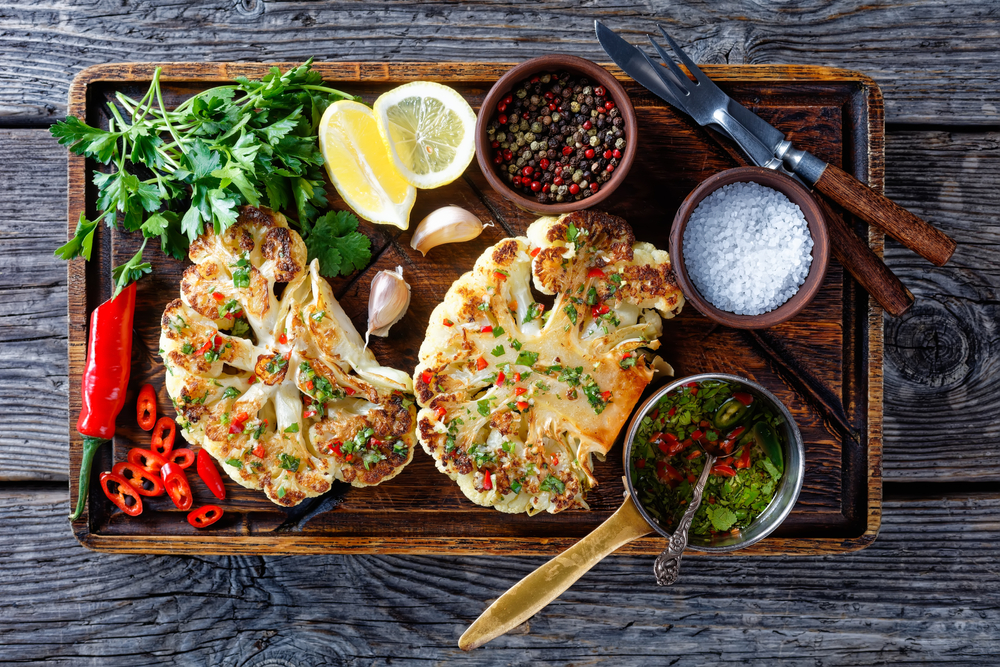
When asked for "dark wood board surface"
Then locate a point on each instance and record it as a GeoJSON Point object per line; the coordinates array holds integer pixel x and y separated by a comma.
{"type": "Point", "coordinates": [924, 593]}
{"type": "Point", "coordinates": [826, 365]}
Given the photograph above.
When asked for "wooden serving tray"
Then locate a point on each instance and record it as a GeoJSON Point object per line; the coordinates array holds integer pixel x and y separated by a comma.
{"type": "Point", "coordinates": [826, 364]}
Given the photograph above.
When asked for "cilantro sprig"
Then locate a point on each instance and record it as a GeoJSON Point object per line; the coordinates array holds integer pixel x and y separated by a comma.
{"type": "Point", "coordinates": [173, 174]}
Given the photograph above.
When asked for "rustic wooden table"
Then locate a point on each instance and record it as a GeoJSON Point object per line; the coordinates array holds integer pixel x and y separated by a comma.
{"type": "Point", "coordinates": [928, 590]}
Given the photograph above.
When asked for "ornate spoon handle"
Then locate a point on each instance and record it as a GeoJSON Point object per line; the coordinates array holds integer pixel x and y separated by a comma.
{"type": "Point", "coordinates": [668, 564]}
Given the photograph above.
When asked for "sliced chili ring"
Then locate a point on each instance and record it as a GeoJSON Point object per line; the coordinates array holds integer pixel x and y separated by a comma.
{"type": "Point", "coordinates": [164, 434]}
{"type": "Point", "coordinates": [205, 516]}
{"type": "Point", "coordinates": [182, 457]}
{"type": "Point", "coordinates": [145, 459]}
{"type": "Point", "coordinates": [176, 484]}
{"type": "Point", "coordinates": [145, 407]}
{"type": "Point", "coordinates": [121, 493]}
{"type": "Point", "coordinates": [143, 481]}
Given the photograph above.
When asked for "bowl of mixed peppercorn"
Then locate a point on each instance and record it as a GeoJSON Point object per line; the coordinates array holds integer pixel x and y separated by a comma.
{"type": "Point", "coordinates": [556, 134]}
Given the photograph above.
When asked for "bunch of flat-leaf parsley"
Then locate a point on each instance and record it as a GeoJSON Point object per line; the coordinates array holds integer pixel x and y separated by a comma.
{"type": "Point", "coordinates": [172, 173]}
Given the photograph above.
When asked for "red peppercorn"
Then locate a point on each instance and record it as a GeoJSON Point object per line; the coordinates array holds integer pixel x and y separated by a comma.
{"type": "Point", "coordinates": [552, 106]}
{"type": "Point", "coordinates": [501, 106]}
{"type": "Point", "coordinates": [502, 119]}
{"type": "Point", "coordinates": [549, 95]}
{"type": "Point", "coordinates": [567, 150]}
{"type": "Point", "coordinates": [587, 125]}
{"type": "Point", "coordinates": [616, 154]}
{"type": "Point", "coordinates": [589, 153]}
{"type": "Point", "coordinates": [498, 159]}
{"type": "Point", "coordinates": [557, 180]}
{"type": "Point", "coordinates": [495, 144]}
{"type": "Point", "coordinates": [574, 188]}
{"type": "Point", "coordinates": [546, 187]}
{"type": "Point", "coordinates": [535, 186]}
{"type": "Point", "coordinates": [607, 154]}
{"type": "Point", "coordinates": [610, 168]}
{"type": "Point", "coordinates": [508, 99]}
{"type": "Point", "coordinates": [543, 163]}
{"type": "Point", "coordinates": [535, 79]}
{"type": "Point", "coordinates": [517, 181]}
{"type": "Point", "coordinates": [508, 154]}
{"type": "Point", "coordinates": [594, 187]}
{"type": "Point", "coordinates": [609, 105]}
{"type": "Point", "coordinates": [599, 91]}
{"type": "Point", "coordinates": [527, 171]}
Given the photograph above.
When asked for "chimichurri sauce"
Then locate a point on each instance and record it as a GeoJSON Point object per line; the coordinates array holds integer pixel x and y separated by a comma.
{"type": "Point", "coordinates": [667, 459]}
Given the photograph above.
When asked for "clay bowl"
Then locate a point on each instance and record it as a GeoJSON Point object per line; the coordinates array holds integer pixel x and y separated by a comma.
{"type": "Point", "coordinates": [798, 194]}
{"type": "Point", "coordinates": [507, 83]}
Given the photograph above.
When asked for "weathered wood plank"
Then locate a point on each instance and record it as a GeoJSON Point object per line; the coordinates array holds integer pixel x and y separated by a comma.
{"type": "Point", "coordinates": [941, 357]}
{"type": "Point", "coordinates": [902, 600]}
{"type": "Point", "coordinates": [935, 61]}
{"type": "Point", "coordinates": [32, 307]}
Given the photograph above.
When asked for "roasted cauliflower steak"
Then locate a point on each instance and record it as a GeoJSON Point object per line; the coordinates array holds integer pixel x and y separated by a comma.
{"type": "Point", "coordinates": [515, 397]}
{"type": "Point", "coordinates": [281, 390]}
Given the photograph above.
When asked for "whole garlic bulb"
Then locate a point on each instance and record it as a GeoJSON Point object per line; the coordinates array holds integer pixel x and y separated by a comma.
{"type": "Point", "coordinates": [388, 301]}
{"type": "Point", "coordinates": [450, 224]}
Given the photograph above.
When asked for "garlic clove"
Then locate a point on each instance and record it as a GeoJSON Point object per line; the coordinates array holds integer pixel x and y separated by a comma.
{"type": "Point", "coordinates": [451, 224]}
{"type": "Point", "coordinates": [388, 301]}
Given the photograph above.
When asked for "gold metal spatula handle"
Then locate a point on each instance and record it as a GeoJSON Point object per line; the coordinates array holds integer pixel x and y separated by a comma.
{"type": "Point", "coordinates": [530, 595]}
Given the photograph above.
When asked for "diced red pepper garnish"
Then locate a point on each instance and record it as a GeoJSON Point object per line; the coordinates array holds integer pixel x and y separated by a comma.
{"type": "Point", "coordinates": [440, 412]}
{"type": "Point", "coordinates": [487, 480]}
{"type": "Point", "coordinates": [310, 386]}
{"type": "Point", "coordinates": [305, 415]}
{"type": "Point", "coordinates": [596, 273]}
{"type": "Point", "coordinates": [500, 378]}
{"type": "Point", "coordinates": [669, 437]}
{"type": "Point", "coordinates": [667, 473]}
{"type": "Point", "coordinates": [606, 395]}
{"type": "Point", "coordinates": [689, 385]}
{"type": "Point", "coordinates": [499, 276]}
{"type": "Point", "coordinates": [487, 329]}
{"type": "Point", "coordinates": [350, 391]}
{"type": "Point", "coordinates": [219, 296]}
{"type": "Point", "coordinates": [448, 323]}
{"type": "Point", "coordinates": [697, 435]}
{"type": "Point", "coordinates": [534, 253]}
{"type": "Point", "coordinates": [204, 348]}
{"type": "Point", "coordinates": [258, 451]}
{"type": "Point", "coordinates": [656, 413]}
{"type": "Point", "coordinates": [517, 376]}
{"type": "Point", "coordinates": [743, 397]}
{"type": "Point", "coordinates": [520, 390]}
{"type": "Point", "coordinates": [253, 378]}
{"type": "Point", "coordinates": [723, 470]}
{"type": "Point", "coordinates": [744, 460]}
{"type": "Point", "coordinates": [640, 463]}
{"type": "Point", "coordinates": [283, 338]}
{"type": "Point", "coordinates": [555, 460]}
{"type": "Point", "coordinates": [628, 355]}
{"type": "Point", "coordinates": [693, 455]}
{"type": "Point", "coordinates": [690, 479]}
{"type": "Point", "coordinates": [522, 406]}
{"type": "Point", "coordinates": [480, 365]}
{"type": "Point", "coordinates": [672, 411]}
{"type": "Point", "coordinates": [602, 309]}
{"type": "Point", "coordinates": [426, 376]}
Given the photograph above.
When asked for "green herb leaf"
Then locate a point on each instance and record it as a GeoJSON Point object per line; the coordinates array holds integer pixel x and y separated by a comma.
{"type": "Point", "coordinates": [498, 351]}
{"type": "Point", "coordinates": [130, 271]}
{"type": "Point", "coordinates": [526, 358]}
{"type": "Point", "coordinates": [498, 331]}
{"type": "Point", "coordinates": [338, 246]}
{"type": "Point", "coordinates": [722, 518]}
{"type": "Point", "coordinates": [236, 463]}
{"type": "Point", "coordinates": [290, 463]}
{"type": "Point", "coordinates": [82, 242]}
{"type": "Point", "coordinates": [552, 484]}
{"type": "Point", "coordinates": [294, 428]}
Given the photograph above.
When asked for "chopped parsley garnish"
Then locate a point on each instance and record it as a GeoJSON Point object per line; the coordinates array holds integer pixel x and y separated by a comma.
{"type": "Point", "coordinates": [294, 428]}
{"type": "Point", "coordinates": [498, 351]}
{"type": "Point", "coordinates": [236, 463]}
{"type": "Point", "coordinates": [571, 376]}
{"type": "Point", "coordinates": [483, 306]}
{"type": "Point", "coordinates": [231, 392]}
{"type": "Point", "coordinates": [231, 307]}
{"type": "Point", "coordinates": [592, 297]}
{"type": "Point", "coordinates": [276, 363]}
{"type": "Point", "coordinates": [241, 276]}
{"type": "Point", "coordinates": [515, 485]}
{"type": "Point", "coordinates": [534, 312]}
{"type": "Point", "coordinates": [281, 492]}
{"type": "Point", "coordinates": [318, 317]}
{"type": "Point", "coordinates": [570, 313]}
{"type": "Point", "coordinates": [240, 328]}
{"type": "Point", "coordinates": [552, 484]}
{"type": "Point", "coordinates": [628, 362]}
{"type": "Point", "coordinates": [484, 407]}
{"type": "Point", "coordinates": [527, 358]}
{"type": "Point", "coordinates": [289, 463]}
{"type": "Point", "coordinates": [187, 348]}
{"type": "Point", "coordinates": [497, 331]}
{"type": "Point", "coordinates": [594, 397]}
{"type": "Point", "coordinates": [516, 344]}
{"type": "Point", "coordinates": [399, 447]}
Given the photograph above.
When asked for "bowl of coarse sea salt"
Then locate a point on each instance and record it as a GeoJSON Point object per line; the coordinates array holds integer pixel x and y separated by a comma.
{"type": "Point", "coordinates": [749, 247]}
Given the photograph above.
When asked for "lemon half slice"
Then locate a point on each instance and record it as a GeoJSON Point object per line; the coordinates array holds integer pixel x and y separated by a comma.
{"type": "Point", "coordinates": [429, 130]}
{"type": "Point", "coordinates": [360, 166]}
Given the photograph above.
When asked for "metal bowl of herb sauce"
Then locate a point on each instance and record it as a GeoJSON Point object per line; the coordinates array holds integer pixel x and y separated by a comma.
{"type": "Point", "coordinates": [788, 486]}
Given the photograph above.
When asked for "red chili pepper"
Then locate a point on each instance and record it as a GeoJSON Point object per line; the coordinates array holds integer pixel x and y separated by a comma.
{"type": "Point", "coordinates": [522, 406]}
{"type": "Point", "coordinates": [691, 384]}
{"type": "Point", "coordinates": [555, 460]}
{"type": "Point", "coordinates": [206, 347]}
{"type": "Point", "coordinates": [283, 338]}
{"type": "Point", "coordinates": [426, 376]}
{"type": "Point", "coordinates": [105, 378]}
{"type": "Point", "coordinates": [736, 432]}
{"type": "Point", "coordinates": [350, 391]}
{"type": "Point", "coordinates": [697, 435]}
{"type": "Point", "coordinates": [440, 412]}
{"type": "Point", "coordinates": [448, 323]}
{"type": "Point", "coordinates": [305, 415]}
{"type": "Point", "coordinates": [693, 455]}
{"type": "Point", "coordinates": [500, 378]}
{"type": "Point", "coordinates": [258, 450]}
{"type": "Point", "coordinates": [534, 253]}
{"type": "Point", "coordinates": [656, 413]}
{"type": "Point", "coordinates": [596, 273]}
{"type": "Point", "coordinates": [219, 296]}
{"type": "Point", "coordinates": [640, 463]}
{"type": "Point", "coordinates": [743, 461]}
{"type": "Point", "coordinates": [486, 329]}
{"type": "Point", "coordinates": [602, 309]}
{"type": "Point", "coordinates": [481, 364]}
{"type": "Point", "coordinates": [144, 483]}
{"type": "Point", "coordinates": [606, 395]}
{"type": "Point", "coordinates": [743, 397]}
{"type": "Point", "coordinates": [145, 459]}
{"type": "Point", "coordinates": [145, 407]}
{"type": "Point", "coordinates": [121, 493]}
{"type": "Point", "coordinates": [176, 484]}
{"type": "Point", "coordinates": [253, 378]}
{"type": "Point", "coordinates": [723, 470]}
{"type": "Point", "coordinates": [236, 425]}
{"type": "Point", "coordinates": [520, 390]}
{"type": "Point", "coordinates": [163, 436]}
{"type": "Point", "coordinates": [487, 481]}
{"type": "Point", "coordinates": [672, 411]}
{"type": "Point", "coordinates": [499, 276]}
{"type": "Point", "coordinates": [205, 516]}
{"type": "Point", "coordinates": [210, 475]}
{"type": "Point", "coordinates": [667, 473]}
{"type": "Point", "coordinates": [517, 376]}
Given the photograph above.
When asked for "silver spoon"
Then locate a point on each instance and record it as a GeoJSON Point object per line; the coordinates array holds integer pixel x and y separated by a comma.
{"type": "Point", "coordinates": [667, 566]}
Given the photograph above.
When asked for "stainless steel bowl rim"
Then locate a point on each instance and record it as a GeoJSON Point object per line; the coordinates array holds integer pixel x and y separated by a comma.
{"type": "Point", "coordinates": [774, 518]}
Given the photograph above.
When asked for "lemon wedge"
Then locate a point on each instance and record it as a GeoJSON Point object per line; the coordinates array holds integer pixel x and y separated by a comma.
{"type": "Point", "coordinates": [360, 166]}
{"type": "Point", "coordinates": [429, 131]}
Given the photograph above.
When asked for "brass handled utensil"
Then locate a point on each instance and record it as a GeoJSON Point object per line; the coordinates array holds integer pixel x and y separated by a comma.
{"type": "Point", "coordinates": [530, 595]}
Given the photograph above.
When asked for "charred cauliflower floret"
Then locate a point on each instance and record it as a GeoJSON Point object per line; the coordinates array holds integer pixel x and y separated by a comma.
{"type": "Point", "coordinates": [515, 397]}
{"type": "Point", "coordinates": [281, 390]}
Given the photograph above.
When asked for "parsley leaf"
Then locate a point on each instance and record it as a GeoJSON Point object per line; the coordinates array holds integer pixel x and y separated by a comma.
{"type": "Point", "coordinates": [82, 242]}
{"type": "Point", "coordinates": [335, 241]}
{"type": "Point", "coordinates": [130, 271]}
{"type": "Point", "coordinates": [722, 518]}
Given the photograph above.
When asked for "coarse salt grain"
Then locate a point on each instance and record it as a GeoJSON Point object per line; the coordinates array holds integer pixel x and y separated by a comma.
{"type": "Point", "coordinates": [747, 248]}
